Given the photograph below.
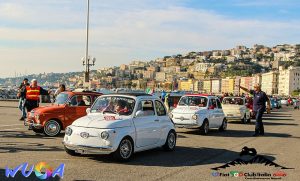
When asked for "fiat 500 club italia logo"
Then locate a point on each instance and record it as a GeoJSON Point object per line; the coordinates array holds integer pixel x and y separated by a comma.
{"type": "Point", "coordinates": [42, 171]}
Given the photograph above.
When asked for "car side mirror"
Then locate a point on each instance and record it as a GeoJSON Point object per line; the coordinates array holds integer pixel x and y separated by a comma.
{"type": "Point", "coordinates": [139, 114]}
{"type": "Point", "coordinates": [211, 107]}
{"type": "Point", "coordinates": [88, 110]}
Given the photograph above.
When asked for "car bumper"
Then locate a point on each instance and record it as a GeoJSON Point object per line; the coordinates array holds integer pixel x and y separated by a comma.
{"type": "Point", "coordinates": [31, 123]}
{"type": "Point", "coordinates": [186, 125]}
{"type": "Point", "coordinates": [234, 117]}
{"type": "Point", "coordinates": [84, 149]}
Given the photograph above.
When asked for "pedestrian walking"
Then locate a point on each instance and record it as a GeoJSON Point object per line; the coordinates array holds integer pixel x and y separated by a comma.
{"type": "Point", "coordinates": [22, 98]}
{"type": "Point", "coordinates": [259, 107]}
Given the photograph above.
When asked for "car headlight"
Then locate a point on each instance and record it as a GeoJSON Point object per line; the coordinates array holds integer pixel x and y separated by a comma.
{"type": "Point", "coordinates": [195, 117]}
{"type": "Point", "coordinates": [68, 131]}
{"type": "Point", "coordinates": [104, 135]}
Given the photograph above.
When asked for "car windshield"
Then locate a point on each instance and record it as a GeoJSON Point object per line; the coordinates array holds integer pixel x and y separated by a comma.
{"type": "Point", "coordinates": [193, 101]}
{"type": "Point", "coordinates": [114, 104]}
{"type": "Point", "coordinates": [61, 98]}
{"type": "Point", "coordinates": [233, 100]}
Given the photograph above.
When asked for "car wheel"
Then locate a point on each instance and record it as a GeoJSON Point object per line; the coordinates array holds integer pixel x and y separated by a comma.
{"type": "Point", "coordinates": [71, 152]}
{"type": "Point", "coordinates": [204, 128]}
{"type": "Point", "coordinates": [223, 127]}
{"type": "Point", "coordinates": [170, 142]}
{"type": "Point", "coordinates": [124, 151]}
{"type": "Point", "coordinates": [52, 128]}
{"type": "Point", "coordinates": [39, 131]}
{"type": "Point", "coordinates": [244, 120]}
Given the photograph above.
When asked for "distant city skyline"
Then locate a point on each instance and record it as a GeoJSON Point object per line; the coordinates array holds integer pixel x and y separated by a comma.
{"type": "Point", "coordinates": [48, 36]}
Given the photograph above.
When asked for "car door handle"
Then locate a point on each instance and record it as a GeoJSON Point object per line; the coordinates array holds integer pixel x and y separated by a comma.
{"type": "Point", "coordinates": [156, 120]}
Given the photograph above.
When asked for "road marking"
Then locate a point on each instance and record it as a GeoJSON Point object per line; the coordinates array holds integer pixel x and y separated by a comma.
{"type": "Point", "coordinates": [11, 125]}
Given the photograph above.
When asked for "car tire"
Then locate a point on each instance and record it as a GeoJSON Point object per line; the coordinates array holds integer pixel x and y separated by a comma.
{"type": "Point", "coordinates": [38, 131]}
{"type": "Point", "coordinates": [204, 127]}
{"type": "Point", "coordinates": [52, 128]}
{"type": "Point", "coordinates": [223, 127]}
{"type": "Point", "coordinates": [170, 141]}
{"type": "Point", "coordinates": [71, 152]}
{"type": "Point", "coordinates": [244, 120]}
{"type": "Point", "coordinates": [124, 151]}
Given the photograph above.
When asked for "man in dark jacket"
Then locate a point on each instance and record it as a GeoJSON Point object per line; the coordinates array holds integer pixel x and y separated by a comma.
{"type": "Point", "coordinates": [22, 98]}
{"type": "Point", "coordinates": [259, 107]}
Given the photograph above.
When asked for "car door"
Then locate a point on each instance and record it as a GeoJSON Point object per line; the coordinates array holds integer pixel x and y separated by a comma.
{"type": "Point", "coordinates": [146, 124]}
{"type": "Point", "coordinates": [220, 113]}
{"type": "Point", "coordinates": [77, 108]}
{"type": "Point", "coordinates": [164, 119]}
{"type": "Point", "coordinates": [212, 111]}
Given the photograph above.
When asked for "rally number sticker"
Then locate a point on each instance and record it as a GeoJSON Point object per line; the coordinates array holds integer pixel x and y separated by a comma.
{"type": "Point", "coordinates": [109, 118]}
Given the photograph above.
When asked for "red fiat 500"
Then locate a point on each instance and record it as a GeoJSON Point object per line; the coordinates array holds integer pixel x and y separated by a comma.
{"type": "Point", "coordinates": [55, 117]}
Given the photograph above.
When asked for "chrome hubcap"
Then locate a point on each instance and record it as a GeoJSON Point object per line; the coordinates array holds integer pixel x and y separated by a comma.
{"type": "Point", "coordinates": [52, 128]}
{"type": "Point", "coordinates": [171, 140]}
{"type": "Point", "coordinates": [125, 149]}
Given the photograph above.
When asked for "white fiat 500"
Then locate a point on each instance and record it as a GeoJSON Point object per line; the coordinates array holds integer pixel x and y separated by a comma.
{"type": "Point", "coordinates": [199, 110]}
{"type": "Point", "coordinates": [121, 124]}
{"type": "Point", "coordinates": [235, 108]}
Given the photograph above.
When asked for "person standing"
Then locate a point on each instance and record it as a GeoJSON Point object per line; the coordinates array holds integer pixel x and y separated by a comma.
{"type": "Point", "coordinates": [22, 98]}
{"type": "Point", "coordinates": [32, 94]}
{"type": "Point", "coordinates": [259, 107]}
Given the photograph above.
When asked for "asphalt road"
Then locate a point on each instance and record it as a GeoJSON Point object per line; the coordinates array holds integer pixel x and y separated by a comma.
{"type": "Point", "coordinates": [193, 159]}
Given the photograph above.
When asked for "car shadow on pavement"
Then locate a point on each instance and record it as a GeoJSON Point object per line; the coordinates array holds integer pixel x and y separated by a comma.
{"type": "Point", "coordinates": [236, 133]}
{"type": "Point", "coordinates": [182, 156]}
{"type": "Point", "coordinates": [23, 134]}
{"type": "Point", "coordinates": [265, 123]}
{"type": "Point", "coordinates": [20, 177]}
{"type": "Point", "coordinates": [15, 147]}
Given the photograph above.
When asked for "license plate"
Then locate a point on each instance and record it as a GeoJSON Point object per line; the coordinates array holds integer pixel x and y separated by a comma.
{"type": "Point", "coordinates": [229, 114]}
{"type": "Point", "coordinates": [79, 151]}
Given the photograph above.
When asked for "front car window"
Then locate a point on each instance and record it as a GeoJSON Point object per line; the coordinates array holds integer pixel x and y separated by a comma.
{"type": "Point", "coordinates": [114, 104]}
{"type": "Point", "coordinates": [61, 98]}
{"type": "Point", "coordinates": [219, 104]}
{"type": "Point", "coordinates": [233, 100]}
{"type": "Point", "coordinates": [193, 101]}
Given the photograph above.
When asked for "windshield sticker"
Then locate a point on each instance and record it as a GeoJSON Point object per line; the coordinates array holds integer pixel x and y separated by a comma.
{"type": "Point", "coordinates": [109, 118]}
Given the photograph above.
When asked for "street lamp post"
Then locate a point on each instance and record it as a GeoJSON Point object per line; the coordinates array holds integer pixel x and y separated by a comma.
{"type": "Point", "coordinates": [86, 60]}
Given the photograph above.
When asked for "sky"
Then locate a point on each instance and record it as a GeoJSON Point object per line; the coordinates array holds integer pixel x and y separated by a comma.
{"type": "Point", "coordinates": [38, 36]}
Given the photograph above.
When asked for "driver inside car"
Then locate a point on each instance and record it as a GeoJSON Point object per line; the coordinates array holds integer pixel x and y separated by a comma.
{"type": "Point", "coordinates": [121, 107]}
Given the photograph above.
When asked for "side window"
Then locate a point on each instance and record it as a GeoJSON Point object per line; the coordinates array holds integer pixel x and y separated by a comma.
{"type": "Point", "coordinates": [219, 104]}
{"type": "Point", "coordinates": [80, 100]}
{"type": "Point", "coordinates": [87, 100]}
{"type": "Point", "coordinates": [147, 108]}
{"type": "Point", "coordinates": [160, 109]}
{"type": "Point", "coordinates": [74, 101]}
{"type": "Point", "coordinates": [212, 102]}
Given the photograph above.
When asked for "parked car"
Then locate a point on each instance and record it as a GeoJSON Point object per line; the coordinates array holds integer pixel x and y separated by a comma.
{"type": "Point", "coordinates": [55, 117]}
{"type": "Point", "coordinates": [121, 124]}
{"type": "Point", "coordinates": [235, 108]}
{"type": "Point", "coordinates": [199, 110]}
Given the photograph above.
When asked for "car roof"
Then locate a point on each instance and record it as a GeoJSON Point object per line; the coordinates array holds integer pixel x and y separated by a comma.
{"type": "Point", "coordinates": [200, 95]}
{"type": "Point", "coordinates": [83, 93]}
{"type": "Point", "coordinates": [131, 94]}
